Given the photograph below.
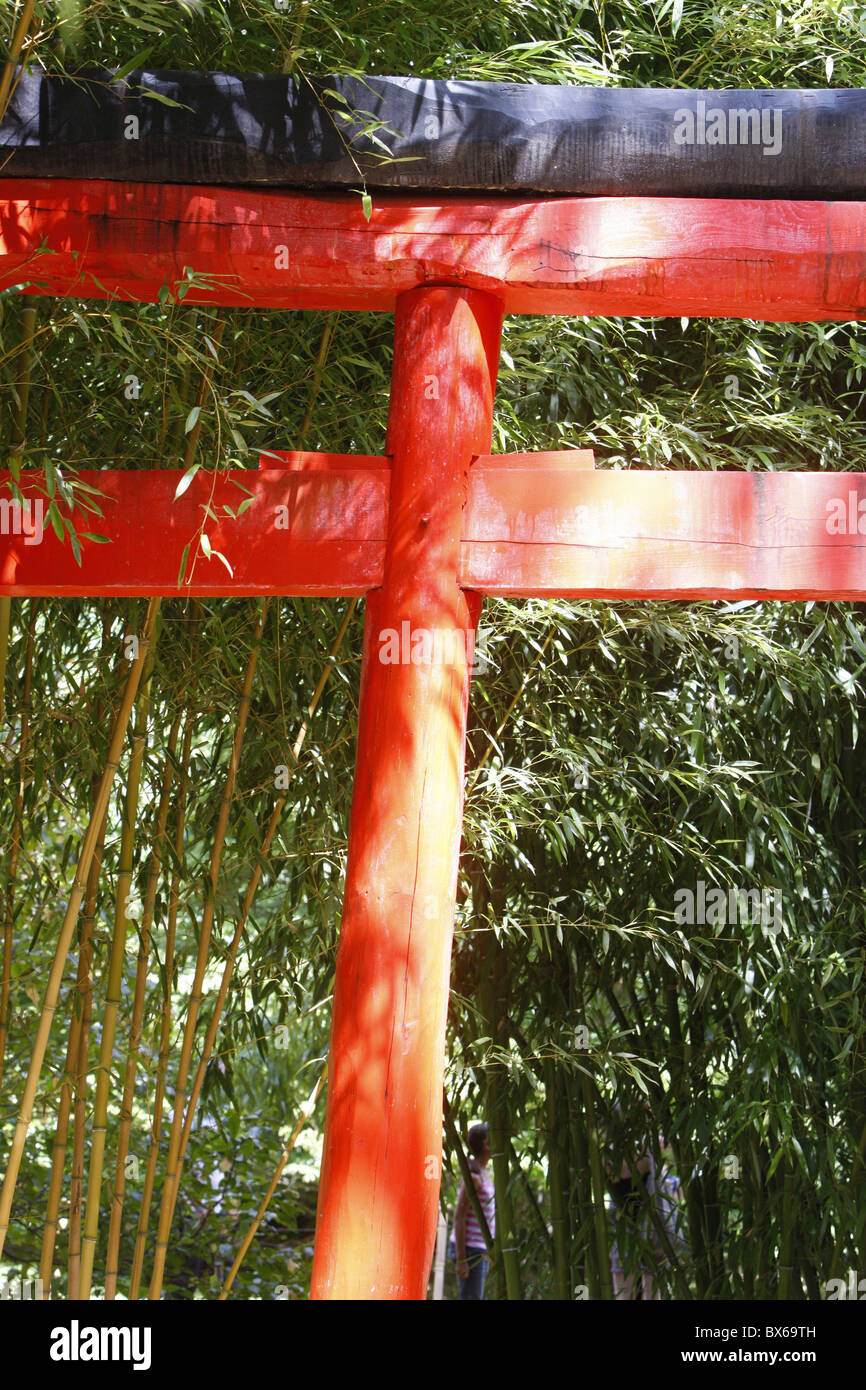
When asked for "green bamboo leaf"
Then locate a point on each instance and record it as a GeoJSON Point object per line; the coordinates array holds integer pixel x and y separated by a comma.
{"type": "Point", "coordinates": [137, 62]}
{"type": "Point", "coordinates": [56, 520]}
{"type": "Point", "coordinates": [185, 481]}
{"type": "Point", "coordinates": [163, 100]}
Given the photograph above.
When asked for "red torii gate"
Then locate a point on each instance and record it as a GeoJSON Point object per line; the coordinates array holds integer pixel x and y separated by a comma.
{"type": "Point", "coordinates": [425, 531]}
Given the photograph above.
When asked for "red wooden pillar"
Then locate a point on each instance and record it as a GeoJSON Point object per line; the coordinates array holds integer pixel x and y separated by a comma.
{"type": "Point", "coordinates": [379, 1187]}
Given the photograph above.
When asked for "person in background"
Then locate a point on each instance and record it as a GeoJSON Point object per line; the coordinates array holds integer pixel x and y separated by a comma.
{"type": "Point", "coordinates": [469, 1242]}
{"type": "Point", "coordinates": [637, 1251]}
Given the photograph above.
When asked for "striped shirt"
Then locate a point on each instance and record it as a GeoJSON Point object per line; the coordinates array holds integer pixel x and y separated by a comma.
{"type": "Point", "coordinates": [487, 1198]}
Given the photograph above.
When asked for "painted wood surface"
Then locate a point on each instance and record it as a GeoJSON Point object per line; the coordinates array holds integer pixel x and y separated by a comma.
{"type": "Point", "coordinates": [225, 128]}
{"type": "Point", "coordinates": [316, 525]}
{"type": "Point", "coordinates": [673, 534]}
{"type": "Point", "coordinates": [381, 1168]}
{"type": "Point", "coordinates": [540, 525]}
{"type": "Point", "coordinates": [774, 260]}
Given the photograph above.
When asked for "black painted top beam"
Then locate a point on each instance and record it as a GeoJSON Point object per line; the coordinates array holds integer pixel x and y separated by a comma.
{"type": "Point", "coordinates": [333, 132]}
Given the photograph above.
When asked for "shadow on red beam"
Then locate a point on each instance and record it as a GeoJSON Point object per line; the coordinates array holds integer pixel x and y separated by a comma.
{"type": "Point", "coordinates": [320, 531]}
{"type": "Point", "coordinates": [776, 260]}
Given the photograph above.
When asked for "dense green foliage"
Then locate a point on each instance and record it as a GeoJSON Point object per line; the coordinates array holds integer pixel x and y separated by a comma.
{"type": "Point", "coordinates": [618, 753]}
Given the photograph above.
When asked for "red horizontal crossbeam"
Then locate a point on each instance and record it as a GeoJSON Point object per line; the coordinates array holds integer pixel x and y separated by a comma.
{"type": "Point", "coordinates": [763, 259]}
{"type": "Point", "coordinates": [534, 525]}
{"type": "Point", "coordinates": [639, 534]}
{"type": "Point", "coordinates": [316, 525]}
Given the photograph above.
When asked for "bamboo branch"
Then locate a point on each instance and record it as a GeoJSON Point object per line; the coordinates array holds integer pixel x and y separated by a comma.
{"type": "Point", "coordinates": [19, 419]}
{"type": "Point", "coordinates": [321, 359]}
{"type": "Point", "coordinates": [255, 879]}
{"type": "Point", "coordinates": [531, 1198]}
{"type": "Point", "coordinates": [508, 713]}
{"type": "Point", "coordinates": [19, 38]}
{"type": "Point", "coordinates": [74, 1088]}
{"type": "Point", "coordinates": [165, 1029]}
{"type": "Point", "coordinates": [272, 1186]}
{"type": "Point", "coordinates": [493, 1004]}
{"type": "Point", "coordinates": [14, 848]}
{"type": "Point", "coordinates": [84, 991]}
{"type": "Point", "coordinates": [557, 1150]}
{"type": "Point", "coordinates": [67, 929]}
{"type": "Point", "coordinates": [58, 1158]}
{"type": "Point", "coordinates": [203, 388]}
{"type": "Point", "coordinates": [112, 1257]}
{"type": "Point", "coordinates": [599, 1213]}
{"type": "Point", "coordinates": [5, 618]}
{"type": "Point", "coordinates": [169, 1192]}
{"type": "Point", "coordinates": [116, 962]}
{"type": "Point", "coordinates": [28, 321]}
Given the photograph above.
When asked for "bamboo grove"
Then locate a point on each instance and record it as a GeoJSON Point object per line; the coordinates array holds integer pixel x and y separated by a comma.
{"type": "Point", "coordinates": [177, 775]}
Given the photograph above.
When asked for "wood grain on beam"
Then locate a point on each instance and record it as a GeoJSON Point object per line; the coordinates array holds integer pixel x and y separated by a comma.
{"type": "Point", "coordinates": [779, 261]}
{"type": "Point", "coordinates": [629, 534]}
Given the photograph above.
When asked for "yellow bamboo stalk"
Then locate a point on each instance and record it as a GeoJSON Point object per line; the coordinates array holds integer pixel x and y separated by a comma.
{"type": "Point", "coordinates": [248, 1238]}
{"type": "Point", "coordinates": [165, 1031]}
{"type": "Point", "coordinates": [14, 848]}
{"type": "Point", "coordinates": [203, 389]}
{"type": "Point", "coordinates": [252, 887]}
{"type": "Point", "coordinates": [84, 993]}
{"type": "Point", "coordinates": [113, 1254]}
{"type": "Point", "coordinates": [508, 713]}
{"type": "Point", "coordinates": [19, 421]}
{"type": "Point", "coordinates": [289, 61]}
{"type": "Point", "coordinates": [196, 996]}
{"type": "Point", "coordinates": [74, 1088]}
{"type": "Point", "coordinates": [5, 618]}
{"type": "Point", "coordinates": [321, 359]}
{"type": "Point", "coordinates": [84, 996]}
{"type": "Point", "coordinates": [19, 38]}
{"type": "Point", "coordinates": [67, 929]}
{"type": "Point", "coordinates": [58, 1158]}
{"type": "Point", "coordinates": [116, 961]}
